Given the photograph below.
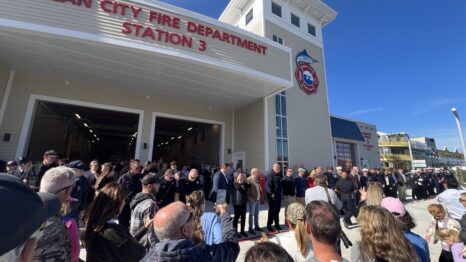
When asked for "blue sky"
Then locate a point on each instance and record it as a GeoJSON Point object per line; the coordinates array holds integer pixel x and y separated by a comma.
{"type": "Point", "coordinates": [398, 64]}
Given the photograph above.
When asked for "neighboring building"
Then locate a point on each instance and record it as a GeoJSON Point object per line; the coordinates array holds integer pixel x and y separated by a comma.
{"type": "Point", "coordinates": [144, 79]}
{"type": "Point", "coordinates": [354, 143]}
{"type": "Point", "coordinates": [449, 158]}
{"type": "Point", "coordinates": [424, 149]}
{"type": "Point", "coordinates": [395, 150]}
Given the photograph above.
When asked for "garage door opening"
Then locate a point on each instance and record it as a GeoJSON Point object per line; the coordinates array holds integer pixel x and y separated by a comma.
{"type": "Point", "coordinates": [85, 133]}
{"type": "Point", "coordinates": [186, 142]}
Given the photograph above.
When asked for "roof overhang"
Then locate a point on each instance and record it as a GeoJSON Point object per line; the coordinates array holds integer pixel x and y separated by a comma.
{"type": "Point", "coordinates": [89, 42]}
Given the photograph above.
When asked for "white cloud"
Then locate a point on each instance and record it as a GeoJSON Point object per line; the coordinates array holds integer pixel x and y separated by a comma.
{"type": "Point", "coordinates": [365, 111]}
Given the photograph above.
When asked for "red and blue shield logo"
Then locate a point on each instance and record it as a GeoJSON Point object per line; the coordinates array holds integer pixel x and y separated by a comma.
{"type": "Point", "coordinates": [305, 74]}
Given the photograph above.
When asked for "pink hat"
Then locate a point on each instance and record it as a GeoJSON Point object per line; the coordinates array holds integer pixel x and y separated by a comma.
{"type": "Point", "coordinates": [393, 205]}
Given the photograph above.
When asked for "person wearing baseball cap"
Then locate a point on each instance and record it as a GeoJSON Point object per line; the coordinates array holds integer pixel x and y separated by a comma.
{"type": "Point", "coordinates": [396, 207]}
{"type": "Point", "coordinates": [55, 244]}
{"type": "Point", "coordinates": [80, 191]}
{"type": "Point", "coordinates": [11, 168]}
{"type": "Point", "coordinates": [142, 206]}
{"type": "Point", "coordinates": [23, 214]}
{"type": "Point", "coordinates": [24, 164]}
{"type": "Point", "coordinates": [33, 175]}
{"type": "Point", "coordinates": [296, 241]}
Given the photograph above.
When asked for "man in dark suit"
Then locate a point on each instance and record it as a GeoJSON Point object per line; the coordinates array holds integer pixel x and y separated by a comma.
{"type": "Point", "coordinates": [221, 182]}
{"type": "Point", "coordinates": [389, 185]}
{"type": "Point", "coordinates": [273, 189]}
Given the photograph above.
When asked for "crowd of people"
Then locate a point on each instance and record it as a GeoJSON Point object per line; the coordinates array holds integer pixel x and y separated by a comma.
{"type": "Point", "coordinates": [157, 212]}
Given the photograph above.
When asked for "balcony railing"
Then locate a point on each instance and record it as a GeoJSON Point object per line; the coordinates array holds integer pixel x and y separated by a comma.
{"type": "Point", "coordinates": [391, 157]}
{"type": "Point", "coordinates": [393, 144]}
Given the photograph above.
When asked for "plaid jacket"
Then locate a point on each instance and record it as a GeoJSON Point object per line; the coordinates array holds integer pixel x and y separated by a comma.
{"type": "Point", "coordinates": [140, 208]}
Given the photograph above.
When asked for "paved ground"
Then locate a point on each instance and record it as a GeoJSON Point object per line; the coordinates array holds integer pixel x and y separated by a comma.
{"type": "Point", "coordinates": [417, 209]}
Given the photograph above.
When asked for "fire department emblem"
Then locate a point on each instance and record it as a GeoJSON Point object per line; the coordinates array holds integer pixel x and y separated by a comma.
{"type": "Point", "coordinates": [305, 74]}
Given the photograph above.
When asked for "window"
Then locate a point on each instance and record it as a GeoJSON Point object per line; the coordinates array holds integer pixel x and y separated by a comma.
{"type": "Point", "coordinates": [282, 130]}
{"type": "Point", "coordinates": [276, 9]}
{"type": "Point", "coordinates": [249, 17]}
{"type": "Point", "coordinates": [311, 29]}
{"type": "Point", "coordinates": [345, 155]}
{"type": "Point", "coordinates": [295, 20]}
{"type": "Point", "coordinates": [277, 39]}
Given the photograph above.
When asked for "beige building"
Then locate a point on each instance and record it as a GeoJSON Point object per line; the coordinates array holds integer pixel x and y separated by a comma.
{"type": "Point", "coordinates": [122, 79]}
{"type": "Point", "coordinates": [355, 143]}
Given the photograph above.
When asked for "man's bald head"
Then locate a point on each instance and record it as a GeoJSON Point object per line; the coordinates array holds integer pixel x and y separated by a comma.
{"type": "Point", "coordinates": [169, 221]}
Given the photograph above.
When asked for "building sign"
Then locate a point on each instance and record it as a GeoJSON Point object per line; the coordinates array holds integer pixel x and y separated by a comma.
{"type": "Point", "coordinates": [158, 26]}
{"type": "Point", "coordinates": [367, 141]}
{"type": "Point", "coordinates": [305, 74]}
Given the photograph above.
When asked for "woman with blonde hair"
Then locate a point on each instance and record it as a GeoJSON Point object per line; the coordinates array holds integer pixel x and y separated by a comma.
{"type": "Point", "coordinates": [207, 228]}
{"type": "Point", "coordinates": [451, 236]}
{"type": "Point", "coordinates": [370, 196]}
{"type": "Point", "coordinates": [441, 219]}
{"type": "Point", "coordinates": [382, 238]}
{"type": "Point", "coordinates": [296, 241]}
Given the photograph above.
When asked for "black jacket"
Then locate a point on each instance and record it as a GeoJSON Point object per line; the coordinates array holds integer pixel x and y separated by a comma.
{"type": "Point", "coordinates": [114, 244]}
{"type": "Point", "coordinates": [184, 250]}
{"type": "Point", "coordinates": [186, 187]}
{"type": "Point", "coordinates": [132, 183]}
{"type": "Point", "coordinates": [166, 194]}
{"type": "Point", "coordinates": [289, 188]}
{"type": "Point", "coordinates": [273, 184]}
{"type": "Point", "coordinates": [34, 175]}
{"type": "Point", "coordinates": [240, 194]}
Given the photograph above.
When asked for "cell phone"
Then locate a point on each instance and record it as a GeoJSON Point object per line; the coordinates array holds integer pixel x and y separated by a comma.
{"type": "Point", "coordinates": [221, 196]}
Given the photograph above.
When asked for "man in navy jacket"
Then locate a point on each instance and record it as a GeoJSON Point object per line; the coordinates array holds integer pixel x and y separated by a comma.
{"type": "Point", "coordinates": [220, 182]}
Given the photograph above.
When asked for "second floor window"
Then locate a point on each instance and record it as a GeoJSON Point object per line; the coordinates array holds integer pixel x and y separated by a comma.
{"type": "Point", "coordinates": [311, 29]}
{"type": "Point", "coordinates": [295, 20]}
{"type": "Point", "coordinates": [249, 17]}
{"type": "Point", "coordinates": [276, 9]}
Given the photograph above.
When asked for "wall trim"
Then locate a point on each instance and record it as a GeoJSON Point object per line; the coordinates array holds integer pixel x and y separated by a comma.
{"type": "Point", "coordinates": [9, 85]}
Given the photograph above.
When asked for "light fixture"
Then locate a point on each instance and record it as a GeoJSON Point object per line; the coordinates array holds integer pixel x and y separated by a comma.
{"type": "Point", "coordinates": [180, 137]}
{"type": "Point", "coordinates": [166, 143]}
{"type": "Point", "coordinates": [172, 138]}
{"type": "Point", "coordinates": [98, 139]}
{"type": "Point", "coordinates": [90, 130]}
{"type": "Point", "coordinates": [86, 125]}
{"type": "Point", "coordinates": [93, 141]}
{"type": "Point", "coordinates": [77, 115]}
{"type": "Point", "coordinates": [95, 135]}
{"type": "Point", "coordinates": [135, 134]}
{"type": "Point", "coordinates": [189, 129]}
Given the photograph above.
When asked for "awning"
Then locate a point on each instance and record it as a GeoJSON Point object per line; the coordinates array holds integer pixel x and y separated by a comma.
{"type": "Point", "coordinates": [345, 129]}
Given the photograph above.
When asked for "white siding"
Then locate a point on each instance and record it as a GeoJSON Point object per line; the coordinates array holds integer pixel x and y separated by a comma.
{"type": "Point", "coordinates": [309, 134]}
{"type": "Point", "coordinates": [249, 133]}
